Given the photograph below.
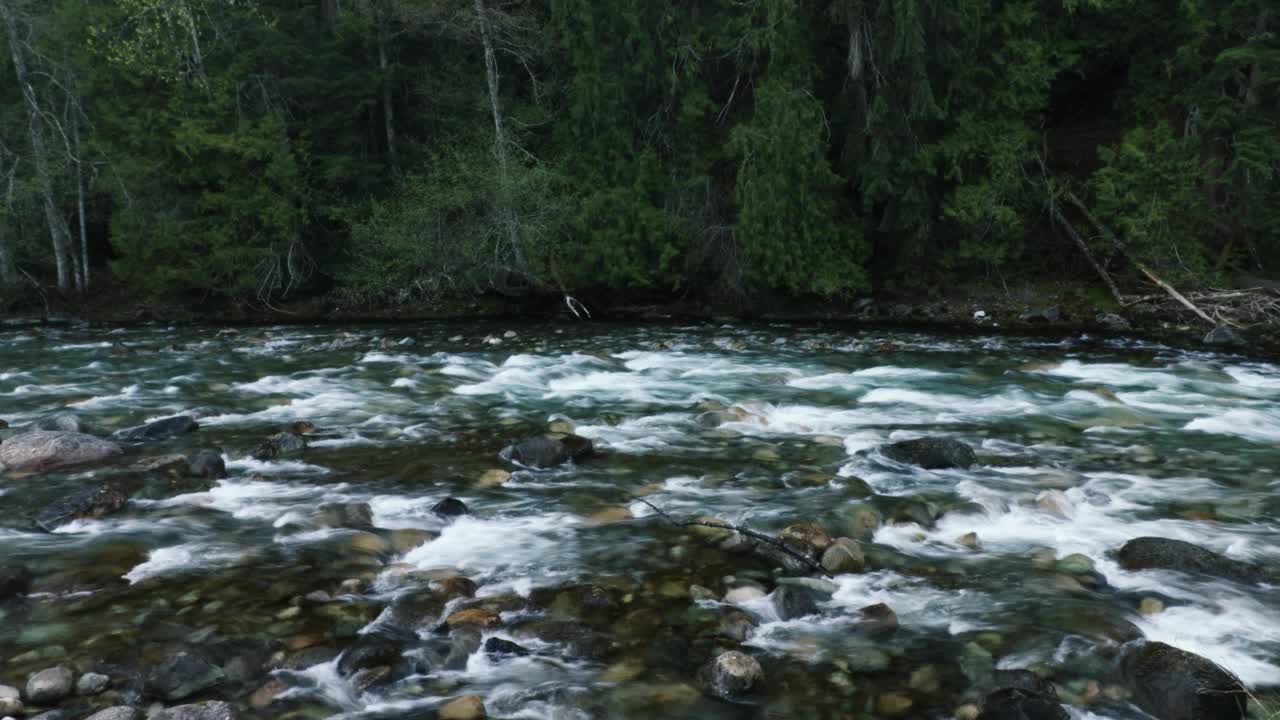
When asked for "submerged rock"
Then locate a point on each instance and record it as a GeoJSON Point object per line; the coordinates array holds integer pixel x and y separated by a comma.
{"type": "Point", "coordinates": [497, 647]}
{"type": "Point", "coordinates": [59, 422]}
{"type": "Point", "coordinates": [284, 443]}
{"type": "Point", "coordinates": [468, 707]}
{"type": "Point", "coordinates": [92, 683]}
{"type": "Point", "coordinates": [95, 502]}
{"type": "Point", "coordinates": [879, 619]}
{"type": "Point", "coordinates": [544, 453]}
{"type": "Point", "coordinates": [844, 556]}
{"type": "Point", "coordinates": [1173, 684]}
{"type": "Point", "coordinates": [931, 453]}
{"type": "Point", "coordinates": [1153, 553]}
{"type": "Point", "coordinates": [207, 464]}
{"type": "Point", "coordinates": [161, 429]}
{"type": "Point", "coordinates": [15, 580]}
{"type": "Point", "coordinates": [1020, 704]}
{"type": "Point", "coordinates": [44, 450]}
{"type": "Point", "coordinates": [450, 507]}
{"type": "Point", "coordinates": [120, 712]}
{"type": "Point", "coordinates": [791, 602]}
{"type": "Point", "coordinates": [205, 711]}
{"type": "Point", "coordinates": [182, 676]}
{"type": "Point", "coordinates": [732, 675]}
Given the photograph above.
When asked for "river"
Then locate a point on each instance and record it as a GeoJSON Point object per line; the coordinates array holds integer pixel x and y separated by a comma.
{"type": "Point", "coordinates": [761, 426]}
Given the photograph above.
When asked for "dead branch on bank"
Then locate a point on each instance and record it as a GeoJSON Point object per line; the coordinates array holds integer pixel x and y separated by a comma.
{"type": "Point", "coordinates": [743, 531]}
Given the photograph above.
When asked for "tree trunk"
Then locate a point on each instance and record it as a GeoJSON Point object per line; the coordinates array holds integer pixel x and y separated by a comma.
{"type": "Point", "coordinates": [58, 232]}
{"type": "Point", "coordinates": [7, 275]}
{"type": "Point", "coordinates": [329, 12]}
{"type": "Point", "coordinates": [197, 55]}
{"type": "Point", "coordinates": [499, 137]}
{"type": "Point", "coordinates": [80, 202]}
{"type": "Point", "coordinates": [388, 110]}
{"type": "Point", "coordinates": [1250, 102]}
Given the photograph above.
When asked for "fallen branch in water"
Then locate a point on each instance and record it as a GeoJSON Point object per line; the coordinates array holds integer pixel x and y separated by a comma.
{"type": "Point", "coordinates": [741, 530]}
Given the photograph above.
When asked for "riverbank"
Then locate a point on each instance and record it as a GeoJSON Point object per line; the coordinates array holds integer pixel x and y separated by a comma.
{"type": "Point", "coordinates": [1066, 310]}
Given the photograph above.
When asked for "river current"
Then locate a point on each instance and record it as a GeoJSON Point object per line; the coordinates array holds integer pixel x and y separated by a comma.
{"type": "Point", "coordinates": [1082, 443]}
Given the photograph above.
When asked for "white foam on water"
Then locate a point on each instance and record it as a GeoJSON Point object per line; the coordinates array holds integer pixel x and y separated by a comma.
{"type": "Point", "coordinates": [539, 546]}
{"type": "Point", "coordinates": [252, 466]}
{"type": "Point", "coordinates": [404, 382]}
{"type": "Point", "coordinates": [868, 377]}
{"type": "Point", "coordinates": [179, 558]}
{"type": "Point", "coordinates": [129, 394]}
{"type": "Point", "coordinates": [1009, 403]}
{"type": "Point", "coordinates": [1232, 631]}
{"type": "Point", "coordinates": [1250, 424]}
{"type": "Point", "coordinates": [251, 499]}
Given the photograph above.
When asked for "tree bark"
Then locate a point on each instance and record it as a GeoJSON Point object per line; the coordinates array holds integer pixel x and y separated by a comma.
{"type": "Point", "coordinates": [499, 136]}
{"type": "Point", "coordinates": [388, 110]}
{"type": "Point", "coordinates": [80, 202]}
{"type": "Point", "coordinates": [7, 275]}
{"type": "Point", "coordinates": [59, 235]}
{"type": "Point", "coordinates": [1066, 226]}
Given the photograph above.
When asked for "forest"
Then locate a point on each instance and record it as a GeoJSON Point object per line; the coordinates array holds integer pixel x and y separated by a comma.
{"type": "Point", "coordinates": [386, 152]}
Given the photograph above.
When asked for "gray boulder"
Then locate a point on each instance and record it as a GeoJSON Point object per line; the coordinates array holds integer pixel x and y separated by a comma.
{"type": "Point", "coordinates": [95, 502]}
{"type": "Point", "coordinates": [44, 450]}
{"type": "Point", "coordinates": [207, 464]}
{"type": "Point", "coordinates": [1112, 321]}
{"type": "Point", "coordinates": [15, 580]}
{"type": "Point", "coordinates": [1173, 684]}
{"type": "Point", "coordinates": [1154, 553]}
{"type": "Point", "coordinates": [50, 685]}
{"type": "Point", "coordinates": [1045, 314]}
{"type": "Point", "coordinates": [182, 676]}
{"type": "Point", "coordinates": [732, 675]}
{"type": "Point", "coordinates": [544, 453]}
{"type": "Point", "coordinates": [92, 684]}
{"type": "Point", "coordinates": [58, 422]}
{"type": "Point", "coordinates": [161, 429]}
{"type": "Point", "coordinates": [791, 602]}
{"type": "Point", "coordinates": [120, 712]}
{"type": "Point", "coordinates": [284, 443]}
{"type": "Point", "coordinates": [931, 453]}
{"type": "Point", "coordinates": [1022, 704]}
{"type": "Point", "coordinates": [1224, 336]}
{"type": "Point", "coordinates": [202, 711]}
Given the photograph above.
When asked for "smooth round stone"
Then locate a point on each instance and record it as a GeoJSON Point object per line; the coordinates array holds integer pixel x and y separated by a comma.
{"type": "Point", "coordinates": [894, 704]}
{"type": "Point", "coordinates": [561, 426]}
{"type": "Point", "coordinates": [493, 478]}
{"type": "Point", "coordinates": [733, 674]}
{"type": "Point", "coordinates": [1075, 564]}
{"type": "Point", "coordinates": [969, 540]}
{"type": "Point", "coordinates": [10, 706]}
{"type": "Point", "coordinates": [121, 712]}
{"type": "Point", "coordinates": [468, 707]}
{"type": "Point", "coordinates": [967, 712]}
{"type": "Point", "coordinates": [1150, 606]}
{"type": "Point", "coordinates": [698, 593]}
{"type": "Point", "coordinates": [740, 595]}
{"type": "Point", "coordinates": [50, 685]}
{"type": "Point", "coordinates": [92, 683]}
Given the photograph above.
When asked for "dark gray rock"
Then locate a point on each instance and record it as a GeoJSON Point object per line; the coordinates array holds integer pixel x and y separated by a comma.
{"type": "Point", "coordinates": [370, 650]}
{"type": "Point", "coordinates": [1173, 684]}
{"type": "Point", "coordinates": [449, 507]}
{"type": "Point", "coordinates": [95, 502]}
{"type": "Point", "coordinates": [1019, 704]}
{"type": "Point", "coordinates": [182, 676]}
{"type": "Point", "coordinates": [50, 685]}
{"type": "Point", "coordinates": [791, 602]}
{"type": "Point", "coordinates": [1224, 336]}
{"type": "Point", "coordinates": [121, 712]}
{"type": "Point", "coordinates": [931, 453]}
{"type": "Point", "coordinates": [878, 620]}
{"type": "Point", "coordinates": [1112, 321]}
{"type": "Point", "coordinates": [1044, 314]}
{"type": "Point", "coordinates": [202, 711]}
{"type": "Point", "coordinates": [161, 429]}
{"type": "Point", "coordinates": [58, 422]}
{"type": "Point", "coordinates": [463, 643]}
{"type": "Point", "coordinates": [44, 450]}
{"type": "Point", "coordinates": [1026, 681]}
{"type": "Point", "coordinates": [497, 647]}
{"type": "Point", "coordinates": [207, 464]}
{"type": "Point", "coordinates": [732, 675]}
{"type": "Point", "coordinates": [284, 443]}
{"type": "Point", "coordinates": [544, 453]}
{"type": "Point", "coordinates": [15, 580]}
{"type": "Point", "coordinates": [345, 515]}
{"type": "Point", "coordinates": [1153, 553]}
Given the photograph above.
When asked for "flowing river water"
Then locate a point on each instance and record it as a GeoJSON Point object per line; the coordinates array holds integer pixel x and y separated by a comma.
{"type": "Point", "coordinates": [761, 426]}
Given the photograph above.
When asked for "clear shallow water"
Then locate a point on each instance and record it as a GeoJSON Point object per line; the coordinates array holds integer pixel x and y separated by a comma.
{"type": "Point", "coordinates": [763, 426]}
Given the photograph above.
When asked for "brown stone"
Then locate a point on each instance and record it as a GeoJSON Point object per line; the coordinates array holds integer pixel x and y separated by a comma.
{"type": "Point", "coordinates": [810, 532]}
{"type": "Point", "coordinates": [475, 617]}
{"type": "Point", "coordinates": [468, 707]}
{"type": "Point", "coordinates": [894, 704]}
{"type": "Point", "coordinates": [458, 586]}
{"type": "Point", "coordinates": [269, 691]}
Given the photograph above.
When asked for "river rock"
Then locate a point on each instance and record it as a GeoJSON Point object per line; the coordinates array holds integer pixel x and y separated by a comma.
{"type": "Point", "coordinates": [1224, 336]}
{"type": "Point", "coordinates": [931, 453]}
{"type": "Point", "coordinates": [1112, 321]}
{"type": "Point", "coordinates": [497, 647]}
{"type": "Point", "coordinates": [284, 443]}
{"type": "Point", "coordinates": [810, 532]}
{"type": "Point", "coordinates": [207, 464]}
{"type": "Point", "coordinates": [59, 422]}
{"type": "Point", "coordinates": [370, 650]}
{"type": "Point", "coordinates": [50, 685]}
{"type": "Point", "coordinates": [205, 711]}
{"type": "Point", "coordinates": [1019, 704]}
{"type": "Point", "coordinates": [120, 712]}
{"type": "Point", "coordinates": [1153, 553]}
{"type": "Point", "coordinates": [468, 707]}
{"type": "Point", "coordinates": [792, 601]}
{"type": "Point", "coordinates": [744, 594]}
{"type": "Point", "coordinates": [161, 429]}
{"type": "Point", "coordinates": [356, 516]}
{"type": "Point", "coordinates": [173, 465]}
{"type": "Point", "coordinates": [449, 507]}
{"type": "Point", "coordinates": [1173, 684]}
{"type": "Point", "coordinates": [95, 502]}
{"type": "Point", "coordinates": [44, 450]}
{"type": "Point", "coordinates": [92, 683]}
{"type": "Point", "coordinates": [1056, 502]}
{"type": "Point", "coordinates": [182, 676]}
{"type": "Point", "coordinates": [1045, 314]}
{"type": "Point", "coordinates": [543, 453]}
{"type": "Point", "coordinates": [15, 580]}
{"type": "Point", "coordinates": [879, 619]}
{"type": "Point", "coordinates": [844, 556]}
{"type": "Point", "coordinates": [732, 675]}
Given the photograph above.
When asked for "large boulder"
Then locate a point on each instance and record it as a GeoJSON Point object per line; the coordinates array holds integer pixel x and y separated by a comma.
{"type": "Point", "coordinates": [202, 711]}
{"type": "Point", "coordinates": [182, 676]}
{"type": "Point", "coordinates": [931, 453]}
{"type": "Point", "coordinates": [161, 429]}
{"type": "Point", "coordinates": [50, 686]}
{"type": "Point", "coordinates": [1154, 553]}
{"type": "Point", "coordinates": [44, 450]}
{"type": "Point", "coordinates": [1021, 704]}
{"type": "Point", "coordinates": [1224, 336]}
{"type": "Point", "coordinates": [95, 502]}
{"type": "Point", "coordinates": [543, 453]}
{"type": "Point", "coordinates": [732, 675]}
{"type": "Point", "coordinates": [1173, 684]}
{"type": "Point", "coordinates": [791, 602]}
{"type": "Point", "coordinates": [207, 464]}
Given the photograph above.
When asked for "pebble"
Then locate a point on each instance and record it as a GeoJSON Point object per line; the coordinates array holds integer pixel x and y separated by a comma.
{"type": "Point", "coordinates": [967, 712]}
{"type": "Point", "coordinates": [468, 707]}
{"type": "Point", "coordinates": [894, 704]}
{"type": "Point", "coordinates": [493, 478]}
{"type": "Point", "coordinates": [969, 540]}
{"type": "Point", "coordinates": [50, 685]}
{"type": "Point", "coordinates": [740, 595]}
{"type": "Point", "coordinates": [92, 683]}
{"type": "Point", "coordinates": [1151, 606]}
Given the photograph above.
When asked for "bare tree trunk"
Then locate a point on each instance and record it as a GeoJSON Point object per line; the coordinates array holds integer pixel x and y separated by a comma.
{"type": "Point", "coordinates": [197, 55]}
{"type": "Point", "coordinates": [329, 12]}
{"type": "Point", "coordinates": [80, 202]}
{"type": "Point", "coordinates": [58, 232]}
{"type": "Point", "coordinates": [388, 110]}
{"type": "Point", "coordinates": [499, 136]}
{"type": "Point", "coordinates": [7, 275]}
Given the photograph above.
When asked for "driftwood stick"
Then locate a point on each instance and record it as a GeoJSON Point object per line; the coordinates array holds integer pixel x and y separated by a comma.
{"type": "Point", "coordinates": [745, 531]}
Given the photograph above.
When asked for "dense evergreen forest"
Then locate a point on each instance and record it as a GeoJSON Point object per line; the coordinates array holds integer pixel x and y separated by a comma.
{"type": "Point", "coordinates": [392, 151]}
